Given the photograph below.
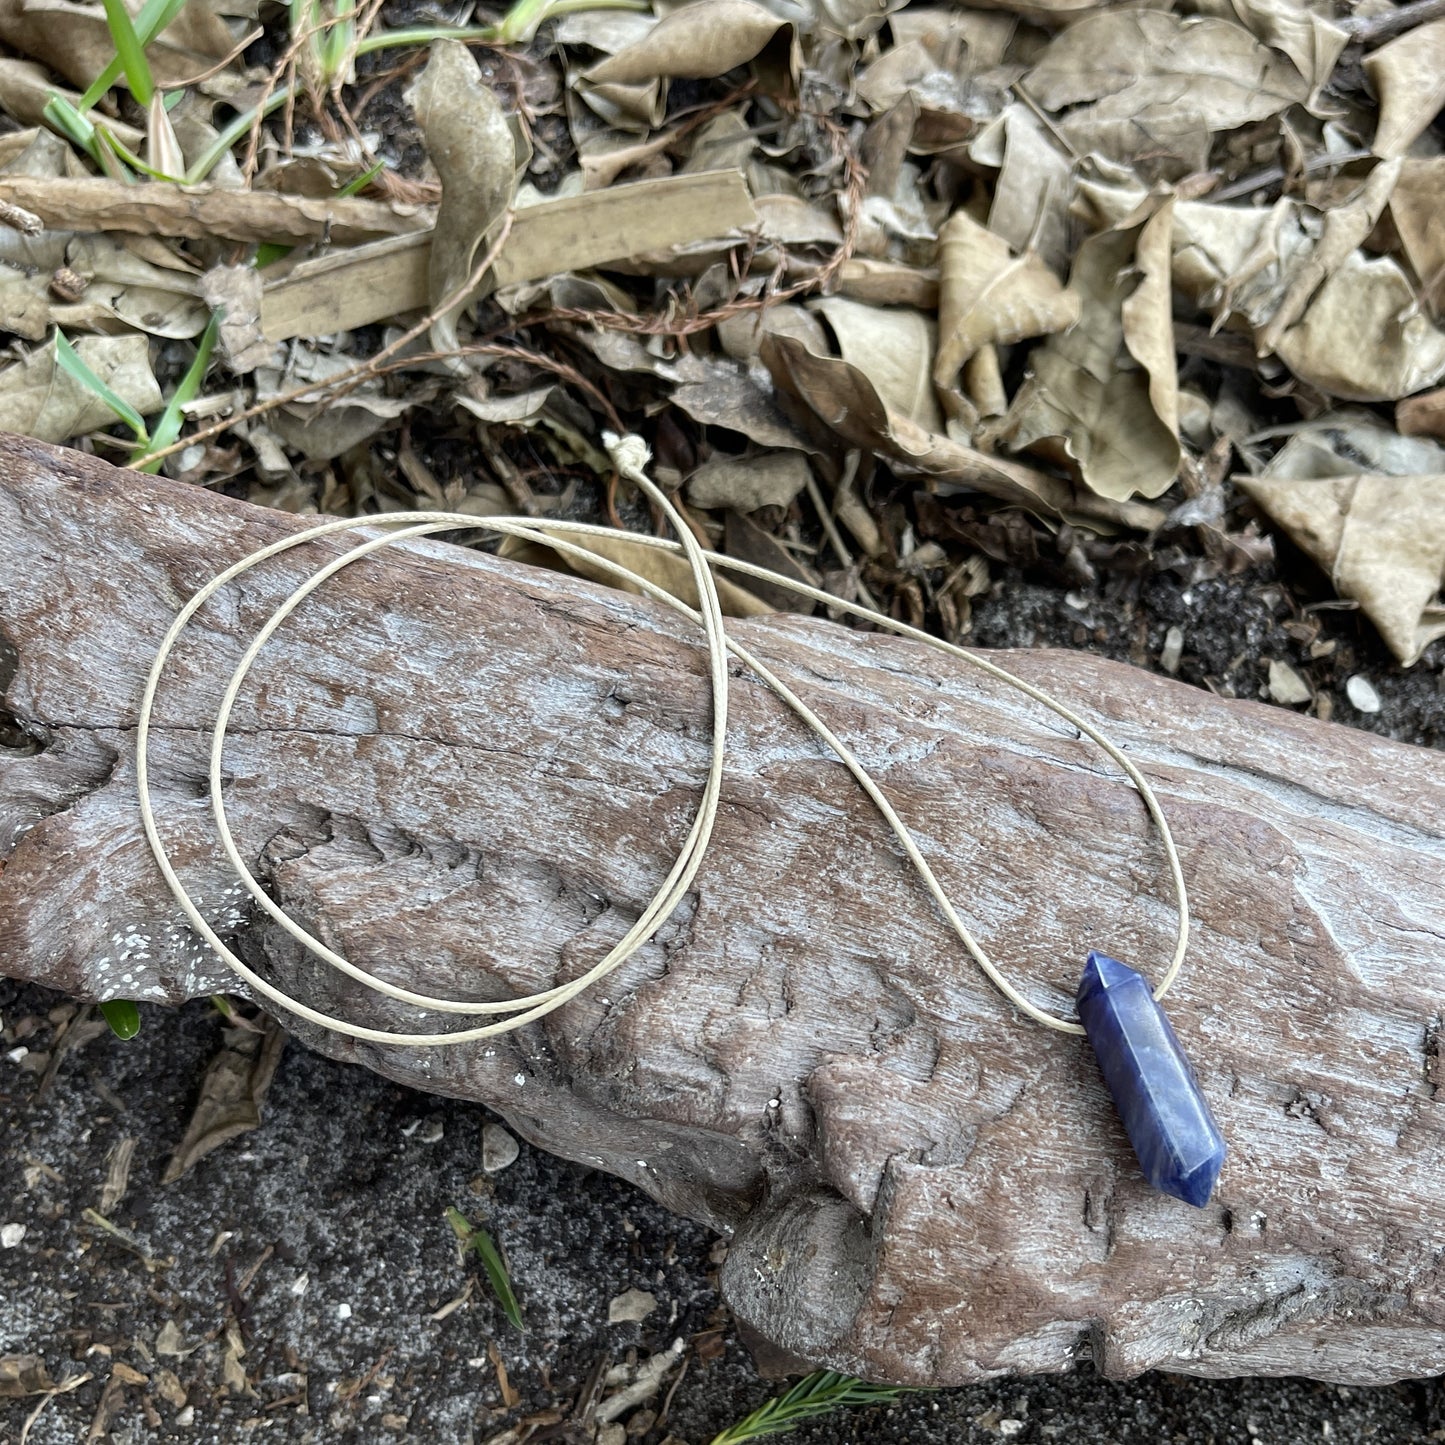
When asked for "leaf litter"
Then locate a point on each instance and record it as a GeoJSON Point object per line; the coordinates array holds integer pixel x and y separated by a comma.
{"type": "Point", "coordinates": [1021, 244]}
{"type": "Point", "coordinates": [914, 305]}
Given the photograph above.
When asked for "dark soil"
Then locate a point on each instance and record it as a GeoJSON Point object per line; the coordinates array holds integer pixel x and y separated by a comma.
{"type": "Point", "coordinates": [339, 1199]}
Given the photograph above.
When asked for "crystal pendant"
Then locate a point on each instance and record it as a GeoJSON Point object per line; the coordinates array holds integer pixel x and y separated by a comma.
{"type": "Point", "coordinates": [1179, 1145]}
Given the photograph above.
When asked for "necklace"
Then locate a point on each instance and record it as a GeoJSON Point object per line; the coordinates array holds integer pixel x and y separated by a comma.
{"type": "Point", "coordinates": [1178, 1144]}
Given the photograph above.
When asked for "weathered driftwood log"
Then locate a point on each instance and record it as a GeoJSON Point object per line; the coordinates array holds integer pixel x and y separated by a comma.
{"type": "Point", "coordinates": [472, 775]}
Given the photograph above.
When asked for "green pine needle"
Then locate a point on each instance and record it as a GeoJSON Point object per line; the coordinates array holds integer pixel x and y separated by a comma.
{"type": "Point", "coordinates": [485, 1248]}
{"type": "Point", "coordinates": [122, 1016]}
{"type": "Point", "coordinates": [819, 1394]}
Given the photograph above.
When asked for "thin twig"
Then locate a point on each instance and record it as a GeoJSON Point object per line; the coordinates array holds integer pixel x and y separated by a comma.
{"type": "Point", "coordinates": [222, 64]}
{"type": "Point", "coordinates": [835, 538]}
{"type": "Point", "coordinates": [1367, 29]}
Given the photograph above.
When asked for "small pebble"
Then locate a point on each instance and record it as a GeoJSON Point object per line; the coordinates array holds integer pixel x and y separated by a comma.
{"type": "Point", "coordinates": [1286, 685]}
{"type": "Point", "coordinates": [499, 1149]}
{"type": "Point", "coordinates": [1362, 695]}
{"type": "Point", "coordinates": [1009, 1428]}
{"type": "Point", "coordinates": [1172, 650]}
{"type": "Point", "coordinates": [11, 1235]}
{"type": "Point", "coordinates": [630, 1307]}
{"type": "Point", "coordinates": [186, 1416]}
{"type": "Point", "coordinates": [343, 1312]}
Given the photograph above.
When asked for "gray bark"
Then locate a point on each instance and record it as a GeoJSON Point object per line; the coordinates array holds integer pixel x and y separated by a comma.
{"type": "Point", "coordinates": [471, 775]}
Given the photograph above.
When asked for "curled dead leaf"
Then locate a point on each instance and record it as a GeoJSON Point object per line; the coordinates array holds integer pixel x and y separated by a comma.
{"type": "Point", "coordinates": [987, 295]}
{"type": "Point", "coordinates": [232, 1092]}
{"type": "Point", "coordinates": [1103, 397]}
{"type": "Point", "coordinates": [1311, 41]}
{"type": "Point", "coordinates": [1381, 540]}
{"type": "Point", "coordinates": [747, 483]}
{"type": "Point", "coordinates": [667, 570]}
{"type": "Point", "coordinates": [843, 398]}
{"type": "Point", "coordinates": [701, 40]}
{"type": "Point", "coordinates": [1416, 205]}
{"type": "Point", "coordinates": [1361, 334]}
{"type": "Point", "coordinates": [893, 346]}
{"type": "Point", "coordinates": [471, 146]}
{"type": "Point", "coordinates": [1149, 83]}
{"type": "Point", "coordinates": [1409, 77]}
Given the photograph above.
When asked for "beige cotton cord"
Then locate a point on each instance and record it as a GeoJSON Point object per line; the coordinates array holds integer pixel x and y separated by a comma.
{"type": "Point", "coordinates": [630, 455]}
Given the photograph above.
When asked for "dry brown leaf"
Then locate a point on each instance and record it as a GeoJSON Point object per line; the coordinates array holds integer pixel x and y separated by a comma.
{"type": "Point", "coordinates": [1103, 396]}
{"type": "Point", "coordinates": [1345, 227]}
{"type": "Point", "coordinates": [236, 292]}
{"type": "Point", "coordinates": [964, 42]}
{"type": "Point", "coordinates": [232, 1093]}
{"type": "Point", "coordinates": [1409, 77]}
{"type": "Point", "coordinates": [748, 542]}
{"type": "Point", "coordinates": [927, 80]}
{"type": "Point", "coordinates": [697, 42]}
{"type": "Point", "coordinates": [1381, 539]}
{"type": "Point", "coordinates": [888, 283]}
{"type": "Point", "coordinates": [38, 399]}
{"type": "Point", "coordinates": [844, 399]}
{"type": "Point", "coordinates": [75, 41]}
{"type": "Point", "coordinates": [1311, 41]}
{"type": "Point", "coordinates": [741, 336]}
{"type": "Point", "coordinates": [667, 570]}
{"type": "Point", "coordinates": [893, 347]}
{"type": "Point", "coordinates": [1416, 206]}
{"type": "Point", "coordinates": [987, 295]}
{"type": "Point", "coordinates": [362, 284]}
{"type": "Point", "coordinates": [1035, 184]}
{"type": "Point", "coordinates": [470, 143]}
{"type": "Point", "coordinates": [23, 1375]}
{"type": "Point", "coordinates": [25, 302]}
{"type": "Point", "coordinates": [727, 396]}
{"type": "Point", "coordinates": [747, 483]}
{"type": "Point", "coordinates": [206, 213]}
{"type": "Point", "coordinates": [25, 88]}
{"type": "Point", "coordinates": [113, 288]}
{"type": "Point", "coordinates": [1422, 415]}
{"type": "Point", "coordinates": [1362, 336]}
{"type": "Point", "coordinates": [1152, 83]}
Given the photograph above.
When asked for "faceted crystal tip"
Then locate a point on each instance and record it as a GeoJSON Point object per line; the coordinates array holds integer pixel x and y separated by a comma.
{"type": "Point", "coordinates": [1180, 1148]}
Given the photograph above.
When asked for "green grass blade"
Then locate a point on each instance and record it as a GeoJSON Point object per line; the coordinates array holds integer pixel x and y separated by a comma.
{"type": "Point", "coordinates": [818, 1394]}
{"type": "Point", "coordinates": [425, 35]}
{"type": "Point", "coordinates": [65, 120]}
{"type": "Point", "coordinates": [123, 153]}
{"type": "Point", "coordinates": [154, 16]}
{"type": "Point", "coordinates": [130, 52]}
{"type": "Point", "coordinates": [210, 158]}
{"type": "Point", "coordinates": [269, 251]}
{"type": "Point", "coordinates": [122, 1016]}
{"type": "Point", "coordinates": [485, 1248]}
{"type": "Point", "coordinates": [70, 362]}
{"type": "Point", "coordinates": [169, 426]}
{"type": "Point", "coordinates": [357, 184]}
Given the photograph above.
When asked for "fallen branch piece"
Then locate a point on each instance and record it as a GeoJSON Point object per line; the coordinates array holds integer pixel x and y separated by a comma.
{"type": "Point", "coordinates": [469, 776]}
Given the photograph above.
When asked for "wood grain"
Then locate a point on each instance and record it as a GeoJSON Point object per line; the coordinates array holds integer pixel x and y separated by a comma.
{"type": "Point", "coordinates": [471, 775]}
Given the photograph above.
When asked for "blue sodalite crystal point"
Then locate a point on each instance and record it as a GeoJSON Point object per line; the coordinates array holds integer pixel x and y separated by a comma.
{"type": "Point", "coordinates": [1178, 1143]}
